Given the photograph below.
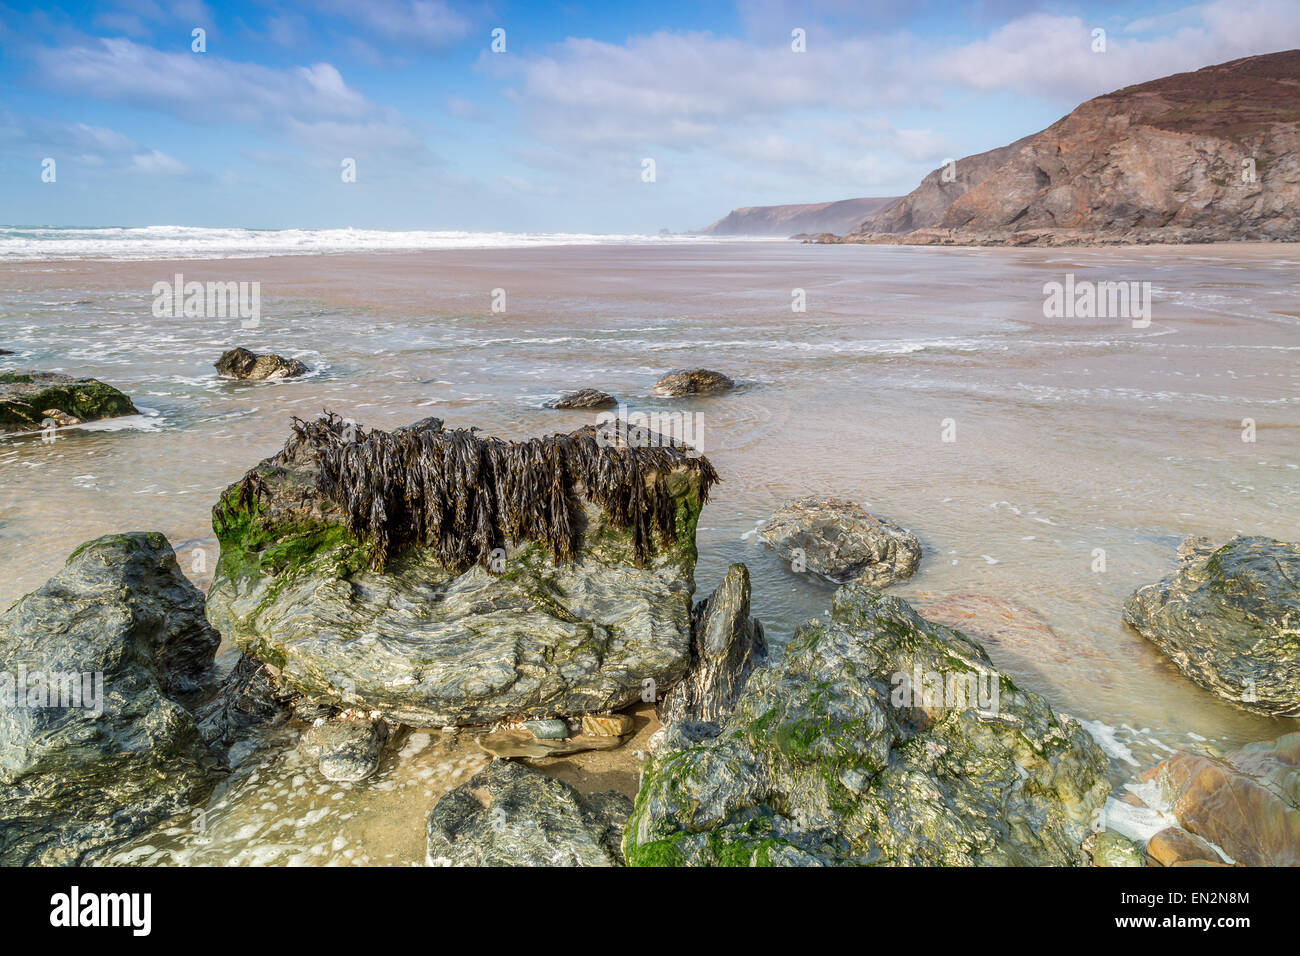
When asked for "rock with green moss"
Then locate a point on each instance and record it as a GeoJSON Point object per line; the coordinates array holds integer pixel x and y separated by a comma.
{"type": "Point", "coordinates": [1111, 849]}
{"type": "Point", "coordinates": [1229, 619]}
{"type": "Point", "coordinates": [523, 633]}
{"type": "Point", "coordinates": [878, 738]}
{"type": "Point", "coordinates": [30, 401]}
{"type": "Point", "coordinates": [95, 745]}
{"type": "Point", "coordinates": [510, 815]}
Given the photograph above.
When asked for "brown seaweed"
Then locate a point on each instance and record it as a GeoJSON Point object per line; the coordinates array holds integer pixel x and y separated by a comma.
{"type": "Point", "coordinates": [464, 496]}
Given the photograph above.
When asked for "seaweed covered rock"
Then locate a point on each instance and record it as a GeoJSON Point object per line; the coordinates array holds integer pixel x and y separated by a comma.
{"type": "Point", "coordinates": [1229, 619]}
{"type": "Point", "coordinates": [838, 539]}
{"type": "Point", "coordinates": [584, 398]}
{"type": "Point", "coordinates": [877, 738]}
{"type": "Point", "coordinates": [94, 745]}
{"type": "Point", "coordinates": [29, 399]}
{"type": "Point", "coordinates": [509, 815]}
{"type": "Point", "coordinates": [693, 381]}
{"type": "Point", "coordinates": [246, 366]}
{"type": "Point", "coordinates": [727, 645]}
{"type": "Point", "coordinates": [441, 578]}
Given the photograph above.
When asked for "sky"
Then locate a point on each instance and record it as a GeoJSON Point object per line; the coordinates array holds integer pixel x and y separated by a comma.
{"type": "Point", "coordinates": [753, 102]}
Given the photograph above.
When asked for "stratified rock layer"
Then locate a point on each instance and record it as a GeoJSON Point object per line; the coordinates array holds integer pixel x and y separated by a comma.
{"type": "Point", "coordinates": [1229, 619]}
{"type": "Point", "coordinates": [838, 539]}
{"type": "Point", "coordinates": [509, 815]}
{"type": "Point", "coordinates": [246, 366]}
{"type": "Point", "coordinates": [73, 781]}
{"type": "Point", "coordinates": [828, 759]}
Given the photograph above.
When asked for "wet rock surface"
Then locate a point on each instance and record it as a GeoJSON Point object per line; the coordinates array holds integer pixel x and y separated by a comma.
{"type": "Point", "coordinates": [528, 636]}
{"type": "Point", "coordinates": [584, 398]}
{"type": "Point", "coordinates": [1229, 619]}
{"type": "Point", "coordinates": [822, 761]}
{"type": "Point", "coordinates": [74, 780]}
{"type": "Point", "coordinates": [838, 539]}
{"type": "Point", "coordinates": [247, 366]}
{"type": "Point", "coordinates": [29, 399]}
{"type": "Point", "coordinates": [694, 381]}
{"type": "Point", "coordinates": [348, 750]}
{"type": "Point", "coordinates": [509, 815]}
{"type": "Point", "coordinates": [726, 645]}
{"type": "Point", "coordinates": [244, 705]}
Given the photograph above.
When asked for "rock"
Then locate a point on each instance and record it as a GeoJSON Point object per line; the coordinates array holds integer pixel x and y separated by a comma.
{"type": "Point", "coordinates": [1111, 849]}
{"type": "Point", "coordinates": [841, 752]}
{"type": "Point", "coordinates": [1246, 802]}
{"type": "Point", "coordinates": [29, 399]}
{"type": "Point", "coordinates": [246, 703]}
{"type": "Point", "coordinates": [584, 398]}
{"type": "Point", "coordinates": [6, 351]}
{"type": "Point", "coordinates": [509, 815]}
{"type": "Point", "coordinates": [547, 729]}
{"type": "Point", "coordinates": [348, 750]}
{"type": "Point", "coordinates": [607, 725]}
{"type": "Point", "coordinates": [693, 381]}
{"type": "Point", "coordinates": [839, 540]}
{"type": "Point", "coordinates": [1085, 179]}
{"type": "Point", "coordinates": [726, 644]}
{"type": "Point", "coordinates": [1174, 845]}
{"type": "Point", "coordinates": [122, 625]}
{"type": "Point", "coordinates": [1229, 619]}
{"type": "Point", "coordinates": [240, 363]}
{"type": "Point", "coordinates": [425, 643]}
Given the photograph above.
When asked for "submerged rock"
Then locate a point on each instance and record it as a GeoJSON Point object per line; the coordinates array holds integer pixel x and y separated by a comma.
{"type": "Point", "coordinates": [504, 581]}
{"type": "Point", "coordinates": [348, 750]}
{"type": "Point", "coordinates": [726, 644]}
{"type": "Point", "coordinates": [1246, 803]}
{"type": "Point", "coordinates": [121, 626]}
{"type": "Point", "coordinates": [1229, 619]}
{"type": "Point", "coordinates": [547, 729]}
{"type": "Point", "coordinates": [240, 363]}
{"type": "Point", "coordinates": [838, 539]}
{"type": "Point", "coordinates": [877, 738]}
{"type": "Point", "coordinates": [29, 399]}
{"type": "Point", "coordinates": [510, 744]}
{"type": "Point", "coordinates": [584, 398]}
{"type": "Point", "coordinates": [693, 381]}
{"type": "Point", "coordinates": [509, 815]}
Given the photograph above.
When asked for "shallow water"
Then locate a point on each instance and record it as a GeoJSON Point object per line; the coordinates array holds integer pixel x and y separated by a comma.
{"type": "Point", "coordinates": [1071, 435]}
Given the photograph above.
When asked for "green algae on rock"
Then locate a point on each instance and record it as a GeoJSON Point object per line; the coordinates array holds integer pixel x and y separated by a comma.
{"type": "Point", "coordinates": [822, 763]}
{"type": "Point", "coordinates": [1229, 619]}
{"type": "Point", "coordinates": [28, 400]}
{"type": "Point", "coordinates": [441, 578]}
{"type": "Point", "coordinates": [77, 777]}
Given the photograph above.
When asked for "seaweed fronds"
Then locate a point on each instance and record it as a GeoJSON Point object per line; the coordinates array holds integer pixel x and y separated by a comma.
{"type": "Point", "coordinates": [464, 496]}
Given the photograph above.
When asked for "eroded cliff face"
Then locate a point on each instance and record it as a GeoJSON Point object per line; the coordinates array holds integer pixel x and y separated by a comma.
{"type": "Point", "coordinates": [1207, 156]}
{"type": "Point", "coordinates": [789, 220]}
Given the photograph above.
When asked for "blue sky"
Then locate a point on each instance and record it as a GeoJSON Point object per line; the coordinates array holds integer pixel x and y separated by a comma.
{"type": "Point", "coordinates": [551, 134]}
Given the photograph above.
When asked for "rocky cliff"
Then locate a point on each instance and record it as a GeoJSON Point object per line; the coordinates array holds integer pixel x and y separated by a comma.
{"type": "Point", "coordinates": [1212, 155]}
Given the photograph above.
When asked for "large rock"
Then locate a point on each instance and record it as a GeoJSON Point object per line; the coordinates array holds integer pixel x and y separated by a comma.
{"type": "Point", "coordinates": [693, 381]}
{"type": "Point", "coordinates": [31, 400]}
{"type": "Point", "coordinates": [509, 815]}
{"type": "Point", "coordinates": [584, 398]}
{"type": "Point", "coordinates": [838, 539]}
{"type": "Point", "coordinates": [877, 739]}
{"type": "Point", "coordinates": [727, 644]}
{"type": "Point", "coordinates": [121, 624]}
{"type": "Point", "coordinates": [1224, 138]}
{"type": "Point", "coordinates": [1229, 619]}
{"type": "Point", "coordinates": [348, 750]}
{"type": "Point", "coordinates": [240, 363]}
{"type": "Point", "coordinates": [1244, 804]}
{"type": "Point", "coordinates": [536, 628]}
